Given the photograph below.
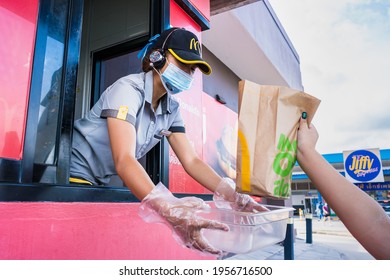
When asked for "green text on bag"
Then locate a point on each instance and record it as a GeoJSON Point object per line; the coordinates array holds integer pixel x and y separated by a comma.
{"type": "Point", "coordinates": [287, 153]}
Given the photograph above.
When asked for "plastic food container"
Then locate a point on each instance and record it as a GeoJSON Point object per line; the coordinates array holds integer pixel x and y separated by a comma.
{"type": "Point", "coordinates": [248, 231]}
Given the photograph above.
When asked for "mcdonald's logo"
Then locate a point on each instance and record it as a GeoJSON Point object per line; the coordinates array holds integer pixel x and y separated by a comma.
{"type": "Point", "coordinates": [194, 44]}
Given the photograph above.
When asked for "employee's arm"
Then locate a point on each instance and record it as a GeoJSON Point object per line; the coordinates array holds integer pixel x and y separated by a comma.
{"type": "Point", "coordinates": [364, 217]}
{"type": "Point", "coordinates": [192, 164]}
{"type": "Point", "coordinates": [123, 142]}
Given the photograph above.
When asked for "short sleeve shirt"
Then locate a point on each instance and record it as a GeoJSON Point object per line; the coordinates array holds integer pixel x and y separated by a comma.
{"type": "Point", "coordinates": [128, 99]}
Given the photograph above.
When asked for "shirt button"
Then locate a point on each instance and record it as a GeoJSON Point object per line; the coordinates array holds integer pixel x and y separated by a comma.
{"type": "Point", "coordinates": [152, 122]}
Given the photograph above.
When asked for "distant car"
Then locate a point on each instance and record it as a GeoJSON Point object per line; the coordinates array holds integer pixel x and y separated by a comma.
{"type": "Point", "coordinates": [385, 205]}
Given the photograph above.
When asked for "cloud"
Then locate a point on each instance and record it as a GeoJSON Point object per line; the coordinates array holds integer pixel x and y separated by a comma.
{"type": "Point", "coordinates": [344, 46]}
{"type": "Point", "coordinates": [370, 13]}
{"type": "Point", "coordinates": [375, 121]}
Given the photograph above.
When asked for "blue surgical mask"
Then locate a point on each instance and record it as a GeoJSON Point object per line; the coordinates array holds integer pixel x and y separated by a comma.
{"type": "Point", "coordinates": [175, 80]}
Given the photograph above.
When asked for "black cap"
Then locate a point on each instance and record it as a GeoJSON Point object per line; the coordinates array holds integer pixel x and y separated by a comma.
{"type": "Point", "coordinates": [184, 46]}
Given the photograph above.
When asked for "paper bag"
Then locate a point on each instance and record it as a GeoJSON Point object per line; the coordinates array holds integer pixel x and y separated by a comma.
{"type": "Point", "coordinates": [268, 120]}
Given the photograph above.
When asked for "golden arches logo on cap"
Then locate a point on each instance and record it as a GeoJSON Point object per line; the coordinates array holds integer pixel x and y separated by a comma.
{"type": "Point", "coordinates": [194, 44]}
{"type": "Point", "coordinates": [184, 46]}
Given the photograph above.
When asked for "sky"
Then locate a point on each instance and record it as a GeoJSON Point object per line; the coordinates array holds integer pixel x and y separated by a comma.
{"type": "Point", "coordinates": [344, 50]}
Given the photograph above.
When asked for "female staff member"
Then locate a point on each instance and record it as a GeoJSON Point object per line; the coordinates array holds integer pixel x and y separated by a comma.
{"type": "Point", "coordinates": [131, 116]}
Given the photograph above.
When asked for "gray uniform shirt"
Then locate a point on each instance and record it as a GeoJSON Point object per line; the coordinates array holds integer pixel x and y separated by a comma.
{"type": "Point", "coordinates": [128, 99]}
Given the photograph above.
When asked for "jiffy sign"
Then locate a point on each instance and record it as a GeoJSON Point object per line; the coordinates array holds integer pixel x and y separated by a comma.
{"type": "Point", "coordinates": [363, 166]}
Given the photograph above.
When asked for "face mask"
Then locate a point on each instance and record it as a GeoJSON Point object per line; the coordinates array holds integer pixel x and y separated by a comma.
{"type": "Point", "coordinates": [175, 80]}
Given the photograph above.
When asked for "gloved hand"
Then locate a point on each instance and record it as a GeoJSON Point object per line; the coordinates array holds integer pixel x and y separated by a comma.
{"type": "Point", "coordinates": [225, 196]}
{"type": "Point", "coordinates": [160, 206]}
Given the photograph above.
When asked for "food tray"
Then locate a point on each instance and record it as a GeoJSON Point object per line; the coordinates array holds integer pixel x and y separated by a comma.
{"type": "Point", "coordinates": [248, 231]}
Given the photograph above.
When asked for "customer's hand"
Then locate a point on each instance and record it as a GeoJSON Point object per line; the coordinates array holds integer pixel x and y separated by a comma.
{"type": "Point", "coordinates": [180, 215]}
{"type": "Point", "coordinates": [307, 137]}
{"type": "Point", "coordinates": [225, 196]}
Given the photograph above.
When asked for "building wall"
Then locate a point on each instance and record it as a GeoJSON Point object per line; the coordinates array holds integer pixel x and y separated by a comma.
{"type": "Point", "coordinates": [302, 186]}
{"type": "Point", "coordinates": [222, 81]}
{"type": "Point", "coordinates": [253, 44]}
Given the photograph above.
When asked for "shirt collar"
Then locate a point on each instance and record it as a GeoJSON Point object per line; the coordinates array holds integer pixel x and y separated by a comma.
{"type": "Point", "coordinates": [165, 101]}
{"type": "Point", "coordinates": [149, 87]}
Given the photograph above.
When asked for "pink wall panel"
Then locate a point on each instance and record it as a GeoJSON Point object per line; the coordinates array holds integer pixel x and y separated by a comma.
{"type": "Point", "coordinates": [77, 231]}
{"type": "Point", "coordinates": [17, 29]}
{"type": "Point", "coordinates": [191, 110]}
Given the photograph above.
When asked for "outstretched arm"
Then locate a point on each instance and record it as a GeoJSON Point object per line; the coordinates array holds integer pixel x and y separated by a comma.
{"type": "Point", "coordinates": [225, 194]}
{"type": "Point", "coordinates": [192, 164]}
{"type": "Point", "coordinates": [158, 203]}
{"type": "Point", "coordinates": [364, 217]}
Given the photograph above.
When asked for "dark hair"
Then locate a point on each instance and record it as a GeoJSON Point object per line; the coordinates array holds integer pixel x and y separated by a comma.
{"type": "Point", "coordinates": [146, 63]}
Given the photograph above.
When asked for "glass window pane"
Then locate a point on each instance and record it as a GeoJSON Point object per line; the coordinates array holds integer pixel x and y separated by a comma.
{"type": "Point", "coordinates": [51, 83]}
{"type": "Point", "coordinates": [120, 66]}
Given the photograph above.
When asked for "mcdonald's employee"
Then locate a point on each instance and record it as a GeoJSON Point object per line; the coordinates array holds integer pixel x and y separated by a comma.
{"type": "Point", "coordinates": [131, 116]}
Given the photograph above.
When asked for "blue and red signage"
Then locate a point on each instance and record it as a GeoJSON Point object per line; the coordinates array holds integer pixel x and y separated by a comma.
{"type": "Point", "coordinates": [363, 166]}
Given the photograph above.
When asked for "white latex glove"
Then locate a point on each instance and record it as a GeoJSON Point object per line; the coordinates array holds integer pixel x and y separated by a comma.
{"type": "Point", "coordinates": [160, 206]}
{"type": "Point", "coordinates": [225, 196]}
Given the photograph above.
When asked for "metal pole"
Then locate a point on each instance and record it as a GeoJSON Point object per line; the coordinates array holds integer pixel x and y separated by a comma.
{"type": "Point", "coordinates": [309, 228]}
{"type": "Point", "coordinates": [289, 241]}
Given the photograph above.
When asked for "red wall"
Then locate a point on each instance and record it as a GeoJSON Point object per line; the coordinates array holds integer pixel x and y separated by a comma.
{"type": "Point", "coordinates": [203, 6]}
{"type": "Point", "coordinates": [79, 231]}
{"type": "Point", "coordinates": [191, 110]}
{"type": "Point", "coordinates": [197, 108]}
{"type": "Point", "coordinates": [17, 29]}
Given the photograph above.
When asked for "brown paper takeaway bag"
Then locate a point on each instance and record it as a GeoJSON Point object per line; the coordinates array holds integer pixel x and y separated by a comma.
{"type": "Point", "coordinates": [268, 120]}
